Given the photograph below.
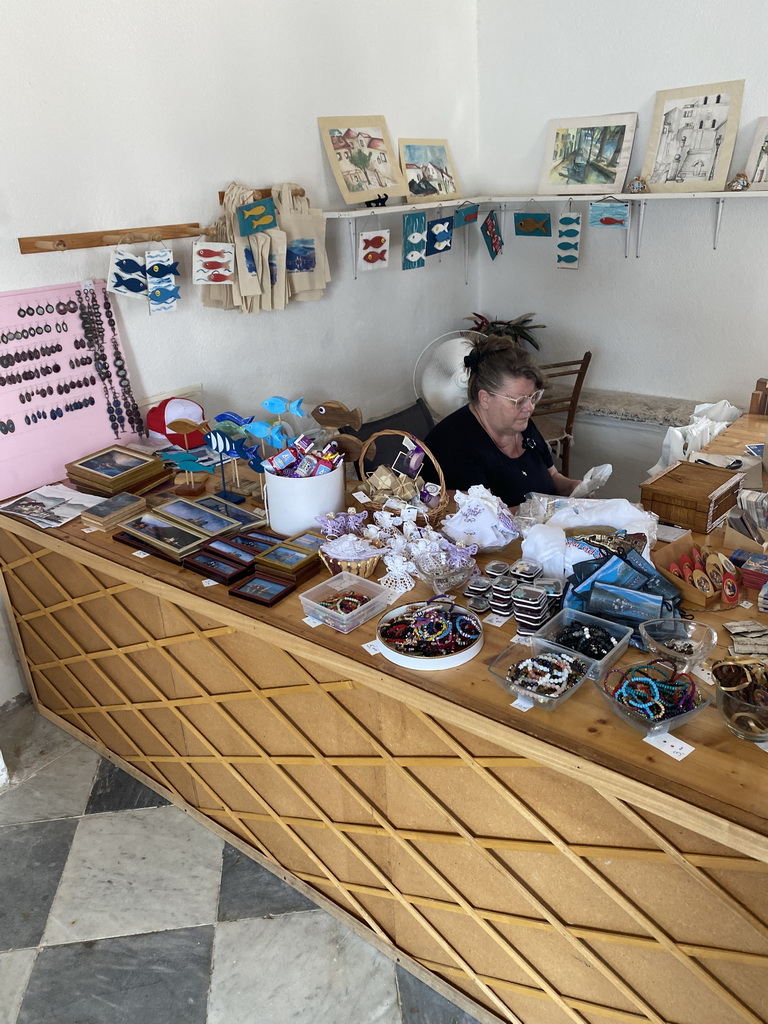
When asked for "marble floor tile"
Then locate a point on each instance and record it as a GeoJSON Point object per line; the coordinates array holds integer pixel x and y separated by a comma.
{"type": "Point", "coordinates": [32, 859]}
{"type": "Point", "coordinates": [299, 969]}
{"type": "Point", "coordinates": [136, 871]}
{"type": "Point", "coordinates": [15, 968]}
{"type": "Point", "coordinates": [58, 790]}
{"type": "Point", "coordinates": [249, 890]}
{"type": "Point", "coordinates": [161, 978]}
{"type": "Point", "coordinates": [116, 790]}
{"type": "Point", "coordinates": [420, 1004]}
{"type": "Point", "coordinates": [29, 741]}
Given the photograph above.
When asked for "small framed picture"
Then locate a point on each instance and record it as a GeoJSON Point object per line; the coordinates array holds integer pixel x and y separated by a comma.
{"type": "Point", "coordinates": [198, 517]}
{"type": "Point", "coordinates": [112, 463]}
{"type": "Point", "coordinates": [246, 517]}
{"type": "Point", "coordinates": [161, 533]}
{"type": "Point", "coordinates": [310, 540]}
{"type": "Point", "coordinates": [232, 553]}
{"type": "Point", "coordinates": [283, 558]}
{"type": "Point", "coordinates": [270, 538]}
{"type": "Point", "coordinates": [213, 567]}
{"type": "Point", "coordinates": [262, 589]}
{"type": "Point", "coordinates": [131, 540]}
{"type": "Point", "coordinates": [256, 545]}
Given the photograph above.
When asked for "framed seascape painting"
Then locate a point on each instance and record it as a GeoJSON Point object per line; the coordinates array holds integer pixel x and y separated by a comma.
{"type": "Point", "coordinates": [262, 589]}
{"type": "Point", "coordinates": [428, 170]}
{"type": "Point", "coordinates": [692, 137]}
{"type": "Point", "coordinates": [361, 157]}
{"type": "Point", "coordinates": [111, 463]}
{"type": "Point", "coordinates": [757, 163]}
{"type": "Point", "coordinates": [198, 517]}
{"type": "Point", "coordinates": [587, 155]}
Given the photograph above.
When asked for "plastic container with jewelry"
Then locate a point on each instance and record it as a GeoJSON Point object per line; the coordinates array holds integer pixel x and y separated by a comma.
{"type": "Point", "coordinates": [574, 626]}
{"type": "Point", "coordinates": [345, 601]}
{"type": "Point", "coordinates": [548, 678]}
{"type": "Point", "coordinates": [430, 635]}
{"type": "Point", "coordinates": [653, 696]}
{"type": "Point", "coordinates": [742, 697]}
{"type": "Point", "coordinates": [683, 641]}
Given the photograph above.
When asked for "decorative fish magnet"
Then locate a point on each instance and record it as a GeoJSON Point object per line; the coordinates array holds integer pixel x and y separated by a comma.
{"type": "Point", "coordinates": [213, 262]}
{"type": "Point", "coordinates": [414, 240]}
{"type": "Point", "coordinates": [492, 235]}
{"type": "Point", "coordinates": [530, 224]}
{"type": "Point", "coordinates": [255, 217]}
{"type": "Point", "coordinates": [161, 287]}
{"type": "Point", "coordinates": [464, 215]}
{"type": "Point", "coordinates": [609, 215]}
{"type": "Point", "coordinates": [439, 235]}
{"type": "Point", "coordinates": [373, 250]}
{"type": "Point", "coordinates": [127, 274]}
{"type": "Point", "coordinates": [568, 226]}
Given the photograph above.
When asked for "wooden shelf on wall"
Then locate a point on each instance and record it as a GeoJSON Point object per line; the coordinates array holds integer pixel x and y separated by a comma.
{"type": "Point", "coordinates": [93, 239]}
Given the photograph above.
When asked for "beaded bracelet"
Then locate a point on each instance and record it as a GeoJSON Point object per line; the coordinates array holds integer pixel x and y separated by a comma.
{"type": "Point", "coordinates": [655, 691]}
{"type": "Point", "coordinates": [431, 630]}
{"type": "Point", "coordinates": [346, 602]}
{"type": "Point", "coordinates": [547, 674]}
{"type": "Point", "coordinates": [590, 640]}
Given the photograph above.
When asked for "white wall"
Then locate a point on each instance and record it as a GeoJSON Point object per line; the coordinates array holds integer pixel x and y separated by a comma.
{"type": "Point", "coordinates": [683, 320]}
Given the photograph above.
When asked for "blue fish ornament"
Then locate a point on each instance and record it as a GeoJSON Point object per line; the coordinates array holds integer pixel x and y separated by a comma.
{"type": "Point", "coordinates": [129, 266]}
{"type": "Point", "coordinates": [233, 417]}
{"type": "Point", "coordinates": [219, 443]}
{"type": "Point", "coordinates": [160, 269]}
{"type": "Point", "coordinates": [186, 462]}
{"type": "Point", "coordinates": [259, 428]}
{"type": "Point", "coordinates": [567, 259]}
{"type": "Point", "coordinates": [567, 245]}
{"type": "Point", "coordinates": [277, 405]}
{"type": "Point", "coordinates": [163, 294]}
{"type": "Point", "coordinates": [130, 284]}
{"type": "Point", "coordinates": [570, 233]}
{"type": "Point", "coordinates": [569, 220]}
{"type": "Point", "coordinates": [277, 436]}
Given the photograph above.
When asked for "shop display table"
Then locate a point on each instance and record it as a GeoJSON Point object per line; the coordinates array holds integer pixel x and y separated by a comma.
{"type": "Point", "coordinates": [551, 866]}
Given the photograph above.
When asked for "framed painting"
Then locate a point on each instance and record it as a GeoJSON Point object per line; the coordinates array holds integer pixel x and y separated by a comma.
{"type": "Point", "coordinates": [361, 157]}
{"type": "Point", "coordinates": [219, 569]}
{"type": "Point", "coordinates": [283, 558]}
{"type": "Point", "coordinates": [587, 155]}
{"type": "Point", "coordinates": [113, 464]}
{"type": "Point", "coordinates": [169, 537]}
{"type": "Point", "coordinates": [225, 508]}
{"type": "Point", "coordinates": [231, 552]}
{"type": "Point", "coordinates": [428, 170]}
{"type": "Point", "coordinates": [757, 162]}
{"type": "Point", "coordinates": [692, 137]}
{"type": "Point", "coordinates": [262, 589]}
{"type": "Point", "coordinates": [198, 517]}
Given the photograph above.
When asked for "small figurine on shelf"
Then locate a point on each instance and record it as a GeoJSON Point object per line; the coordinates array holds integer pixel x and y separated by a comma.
{"type": "Point", "coordinates": [739, 183]}
{"type": "Point", "coordinates": [638, 185]}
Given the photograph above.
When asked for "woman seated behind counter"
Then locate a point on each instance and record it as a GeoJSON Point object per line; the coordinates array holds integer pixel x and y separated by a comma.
{"type": "Point", "coordinates": [492, 440]}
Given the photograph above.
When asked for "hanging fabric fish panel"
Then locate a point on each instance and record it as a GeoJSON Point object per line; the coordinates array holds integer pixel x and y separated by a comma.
{"type": "Point", "coordinates": [414, 240]}
{"type": "Point", "coordinates": [568, 241]}
{"type": "Point", "coordinates": [491, 233]}
{"type": "Point", "coordinates": [373, 249]}
{"type": "Point", "coordinates": [465, 214]}
{"type": "Point", "coordinates": [609, 215]}
{"type": "Point", "coordinates": [258, 216]}
{"type": "Point", "coordinates": [162, 291]}
{"type": "Point", "coordinates": [439, 235]}
{"type": "Point", "coordinates": [127, 274]}
{"type": "Point", "coordinates": [213, 262]}
{"type": "Point", "coordinates": [533, 225]}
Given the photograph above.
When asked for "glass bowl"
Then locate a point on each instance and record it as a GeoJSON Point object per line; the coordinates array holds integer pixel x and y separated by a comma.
{"type": "Point", "coordinates": [684, 641]}
{"type": "Point", "coordinates": [438, 569]}
{"type": "Point", "coordinates": [638, 720]}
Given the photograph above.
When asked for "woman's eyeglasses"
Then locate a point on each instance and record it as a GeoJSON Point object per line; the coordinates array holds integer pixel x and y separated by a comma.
{"type": "Point", "coordinates": [534, 399]}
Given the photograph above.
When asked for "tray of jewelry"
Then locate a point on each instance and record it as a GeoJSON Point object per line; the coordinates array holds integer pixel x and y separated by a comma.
{"type": "Point", "coordinates": [430, 635]}
{"type": "Point", "coordinates": [548, 678]}
{"type": "Point", "coordinates": [602, 641]}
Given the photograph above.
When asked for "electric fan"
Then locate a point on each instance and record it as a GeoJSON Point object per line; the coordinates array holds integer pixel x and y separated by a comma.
{"type": "Point", "coordinates": [440, 376]}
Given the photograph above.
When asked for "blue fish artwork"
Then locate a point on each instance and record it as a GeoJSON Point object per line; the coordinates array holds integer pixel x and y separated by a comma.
{"type": "Point", "coordinates": [571, 220]}
{"type": "Point", "coordinates": [130, 284]}
{"type": "Point", "coordinates": [439, 235]}
{"type": "Point", "coordinates": [233, 417]}
{"type": "Point", "coordinates": [163, 270]}
{"type": "Point", "coordinates": [278, 405]}
{"type": "Point", "coordinates": [186, 462]}
{"type": "Point", "coordinates": [464, 215]}
{"type": "Point", "coordinates": [414, 240]}
{"type": "Point", "coordinates": [254, 217]}
{"type": "Point", "coordinates": [570, 262]}
{"type": "Point", "coordinates": [129, 266]}
{"type": "Point", "coordinates": [278, 436]}
{"type": "Point", "coordinates": [259, 428]}
{"type": "Point", "coordinates": [162, 294]}
{"type": "Point", "coordinates": [220, 443]}
{"type": "Point", "coordinates": [569, 233]}
{"type": "Point", "coordinates": [300, 256]}
{"type": "Point", "coordinates": [567, 259]}
{"type": "Point", "coordinates": [568, 245]}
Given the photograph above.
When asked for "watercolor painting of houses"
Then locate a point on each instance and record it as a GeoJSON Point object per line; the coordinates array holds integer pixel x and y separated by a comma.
{"type": "Point", "coordinates": [428, 170]}
{"type": "Point", "coordinates": [361, 156]}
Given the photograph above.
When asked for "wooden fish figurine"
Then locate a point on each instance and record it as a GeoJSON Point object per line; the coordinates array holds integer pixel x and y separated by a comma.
{"type": "Point", "coordinates": [351, 446]}
{"type": "Point", "coordinates": [336, 414]}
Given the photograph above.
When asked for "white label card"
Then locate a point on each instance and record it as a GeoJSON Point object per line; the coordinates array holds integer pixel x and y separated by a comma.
{"type": "Point", "coordinates": [372, 647]}
{"type": "Point", "coordinates": [141, 554]}
{"type": "Point", "coordinates": [523, 703]}
{"type": "Point", "coordinates": [494, 619]}
{"type": "Point", "coordinates": [210, 583]}
{"type": "Point", "coordinates": [670, 745]}
{"type": "Point", "coordinates": [361, 497]}
{"type": "Point", "coordinates": [312, 621]}
{"type": "Point", "coordinates": [763, 746]}
{"type": "Point", "coordinates": [90, 529]}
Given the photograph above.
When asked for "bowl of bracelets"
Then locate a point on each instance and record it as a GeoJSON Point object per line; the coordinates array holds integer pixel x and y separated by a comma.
{"type": "Point", "coordinates": [742, 696]}
{"type": "Point", "coordinates": [654, 696]}
{"type": "Point", "coordinates": [548, 678]}
{"type": "Point", "coordinates": [430, 635]}
{"type": "Point", "coordinates": [684, 641]}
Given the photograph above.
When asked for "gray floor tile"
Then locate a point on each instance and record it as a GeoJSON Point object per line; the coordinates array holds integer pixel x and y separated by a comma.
{"type": "Point", "coordinates": [29, 741]}
{"type": "Point", "coordinates": [32, 859]}
{"type": "Point", "coordinates": [136, 871]}
{"type": "Point", "coordinates": [116, 790]}
{"type": "Point", "coordinates": [249, 890]}
{"type": "Point", "coordinates": [161, 978]}
{"type": "Point", "coordinates": [299, 969]}
{"type": "Point", "coordinates": [420, 1004]}
{"type": "Point", "coordinates": [15, 968]}
{"type": "Point", "coordinates": [58, 790]}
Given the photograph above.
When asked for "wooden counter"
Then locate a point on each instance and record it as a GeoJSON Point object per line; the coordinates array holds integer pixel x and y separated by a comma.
{"type": "Point", "coordinates": [550, 865]}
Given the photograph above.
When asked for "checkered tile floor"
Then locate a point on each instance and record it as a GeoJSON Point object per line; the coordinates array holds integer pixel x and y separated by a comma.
{"type": "Point", "coordinates": [118, 908]}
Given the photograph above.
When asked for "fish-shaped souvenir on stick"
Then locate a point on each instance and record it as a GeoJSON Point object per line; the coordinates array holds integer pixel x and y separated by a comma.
{"type": "Point", "coordinates": [278, 405]}
{"type": "Point", "coordinates": [336, 414]}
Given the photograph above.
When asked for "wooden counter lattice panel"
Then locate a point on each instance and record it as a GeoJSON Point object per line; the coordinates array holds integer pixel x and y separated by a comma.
{"type": "Point", "coordinates": [541, 898]}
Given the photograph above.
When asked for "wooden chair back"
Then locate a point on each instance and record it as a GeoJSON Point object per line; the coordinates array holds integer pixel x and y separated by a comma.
{"type": "Point", "coordinates": [567, 378]}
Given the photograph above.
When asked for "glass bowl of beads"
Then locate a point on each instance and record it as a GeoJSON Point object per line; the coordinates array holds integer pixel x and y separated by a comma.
{"type": "Point", "coordinates": [742, 696]}
{"type": "Point", "coordinates": [345, 601]}
{"type": "Point", "coordinates": [653, 696]}
{"type": "Point", "coordinates": [430, 635]}
{"type": "Point", "coordinates": [444, 571]}
{"type": "Point", "coordinates": [601, 641]}
{"type": "Point", "coordinates": [548, 677]}
{"type": "Point", "coordinates": [684, 641]}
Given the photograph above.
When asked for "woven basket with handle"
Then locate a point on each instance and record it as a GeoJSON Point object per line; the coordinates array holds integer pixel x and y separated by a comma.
{"type": "Point", "coordinates": [433, 515]}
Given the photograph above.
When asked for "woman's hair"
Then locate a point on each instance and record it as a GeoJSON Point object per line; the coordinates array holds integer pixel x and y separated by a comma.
{"type": "Point", "coordinates": [492, 360]}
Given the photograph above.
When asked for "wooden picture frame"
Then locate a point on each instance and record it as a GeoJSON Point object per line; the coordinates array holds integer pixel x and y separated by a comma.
{"type": "Point", "coordinates": [197, 517]}
{"type": "Point", "coordinates": [255, 545]}
{"type": "Point", "coordinates": [692, 136]}
{"type": "Point", "coordinates": [244, 516]}
{"type": "Point", "coordinates": [270, 538]}
{"type": "Point", "coordinates": [262, 589]}
{"type": "Point", "coordinates": [757, 161]}
{"type": "Point", "coordinates": [164, 534]}
{"type": "Point", "coordinates": [309, 539]}
{"type": "Point", "coordinates": [587, 155]}
{"type": "Point", "coordinates": [112, 465]}
{"type": "Point", "coordinates": [282, 558]}
{"type": "Point", "coordinates": [231, 552]}
{"type": "Point", "coordinates": [428, 170]}
{"type": "Point", "coordinates": [362, 158]}
{"type": "Point", "coordinates": [138, 544]}
{"type": "Point", "coordinates": [213, 567]}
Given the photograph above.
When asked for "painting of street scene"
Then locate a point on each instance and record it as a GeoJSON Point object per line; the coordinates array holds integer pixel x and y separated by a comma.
{"type": "Point", "coordinates": [426, 164]}
{"type": "Point", "coordinates": [361, 157]}
{"type": "Point", "coordinates": [587, 155]}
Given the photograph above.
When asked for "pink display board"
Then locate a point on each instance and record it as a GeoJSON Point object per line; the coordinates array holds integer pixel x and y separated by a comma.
{"type": "Point", "coordinates": [64, 385]}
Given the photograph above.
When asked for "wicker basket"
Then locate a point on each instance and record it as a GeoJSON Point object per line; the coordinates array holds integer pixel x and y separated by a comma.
{"type": "Point", "coordinates": [360, 566]}
{"type": "Point", "coordinates": [432, 516]}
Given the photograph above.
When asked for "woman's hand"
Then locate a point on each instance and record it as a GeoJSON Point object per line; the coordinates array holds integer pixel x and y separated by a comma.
{"type": "Point", "coordinates": [563, 484]}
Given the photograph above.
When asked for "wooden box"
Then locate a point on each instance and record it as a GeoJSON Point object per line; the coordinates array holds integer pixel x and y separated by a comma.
{"type": "Point", "coordinates": [692, 496]}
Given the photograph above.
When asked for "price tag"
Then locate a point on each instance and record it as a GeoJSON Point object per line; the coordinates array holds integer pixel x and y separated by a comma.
{"type": "Point", "coordinates": [494, 619]}
{"type": "Point", "coordinates": [520, 638]}
{"type": "Point", "coordinates": [361, 497]}
{"type": "Point", "coordinates": [90, 529]}
{"type": "Point", "coordinates": [210, 583]}
{"type": "Point", "coordinates": [670, 745]}
{"type": "Point", "coordinates": [312, 621]}
{"type": "Point", "coordinates": [372, 647]}
{"type": "Point", "coordinates": [746, 604]}
{"type": "Point", "coordinates": [523, 703]}
{"type": "Point", "coordinates": [141, 554]}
